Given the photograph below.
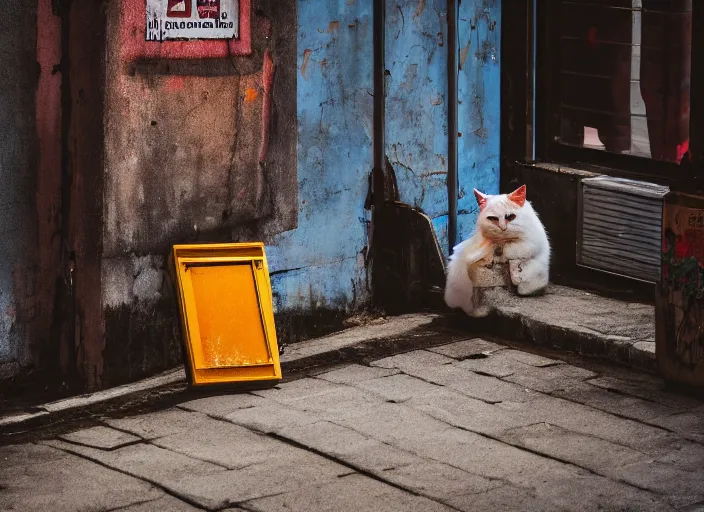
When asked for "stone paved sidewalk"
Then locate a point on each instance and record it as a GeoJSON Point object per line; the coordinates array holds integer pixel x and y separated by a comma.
{"type": "Point", "coordinates": [471, 426]}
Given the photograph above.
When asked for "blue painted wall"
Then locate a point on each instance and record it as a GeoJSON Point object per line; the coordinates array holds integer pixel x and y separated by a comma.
{"type": "Point", "coordinates": [479, 91]}
{"type": "Point", "coordinates": [321, 263]}
{"type": "Point", "coordinates": [417, 108]}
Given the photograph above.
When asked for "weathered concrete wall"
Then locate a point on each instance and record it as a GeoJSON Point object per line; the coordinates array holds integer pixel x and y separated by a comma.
{"type": "Point", "coordinates": [181, 157]}
{"type": "Point", "coordinates": [18, 219]}
{"type": "Point", "coordinates": [185, 162]}
{"type": "Point", "coordinates": [184, 159]}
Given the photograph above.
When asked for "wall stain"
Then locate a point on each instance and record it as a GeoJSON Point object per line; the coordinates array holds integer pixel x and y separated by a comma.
{"type": "Point", "coordinates": [419, 10]}
{"type": "Point", "coordinates": [306, 57]}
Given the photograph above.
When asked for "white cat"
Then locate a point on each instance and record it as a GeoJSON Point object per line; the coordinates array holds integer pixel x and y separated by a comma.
{"type": "Point", "coordinates": [508, 230]}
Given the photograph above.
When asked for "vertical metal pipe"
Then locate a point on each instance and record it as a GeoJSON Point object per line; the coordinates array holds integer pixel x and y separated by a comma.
{"type": "Point", "coordinates": [452, 125]}
{"type": "Point", "coordinates": [379, 103]}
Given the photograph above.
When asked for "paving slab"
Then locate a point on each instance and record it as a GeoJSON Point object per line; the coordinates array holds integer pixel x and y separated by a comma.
{"type": "Point", "coordinates": [438, 480]}
{"type": "Point", "coordinates": [494, 365]}
{"type": "Point", "coordinates": [682, 487]}
{"type": "Point", "coordinates": [283, 472]}
{"type": "Point", "coordinates": [102, 437]}
{"type": "Point", "coordinates": [221, 405]}
{"type": "Point", "coordinates": [340, 403]}
{"type": "Point", "coordinates": [468, 413]}
{"type": "Point", "coordinates": [590, 422]}
{"type": "Point", "coordinates": [41, 478]}
{"type": "Point", "coordinates": [492, 459]}
{"type": "Point", "coordinates": [160, 467]}
{"type": "Point", "coordinates": [647, 389]}
{"type": "Point", "coordinates": [398, 388]}
{"type": "Point", "coordinates": [486, 388]}
{"type": "Point", "coordinates": [366, 494]}
{"type": "Point", "coordinates": [413, 359]}
{"type": "Point", "coordinates": [395, 424]}
{"type": "Point", "coordinates": [355, 373]}
{"type": "Point", "coordinates": [594, 493]}
{"type": "Point", "coordinates": [345, 444]}
{"type": "Point", "coordinates": [530, 359]}
{"type": "Point", "coordinates": [222, 443]}
{"type": "Point", "coordinates": [549, 379]}
{"type": "Point", "coordinates": [614, 403]}
{"type": "Point", "coordinates": [467, 348]}
{"type": "Point", "coordinates": [271, 418]}
{"type": "Point", "coordinates": [297, 390]}
{"type": "Point", "coordinates": [689, 425]}
{"type": "Point", "coordinates": [158, 424]}
{"type": "Point", "coordinates": [506, 497]}
{"type": "Point", "coordinates": [581, 450]}
{"type": "Point", "coordinates": [165, 503]}
{"type": "Point", "coordinates": [685, 456]}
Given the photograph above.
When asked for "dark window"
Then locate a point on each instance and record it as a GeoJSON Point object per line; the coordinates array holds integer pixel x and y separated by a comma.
{"type": "Point", "coordinates": [614, 78]}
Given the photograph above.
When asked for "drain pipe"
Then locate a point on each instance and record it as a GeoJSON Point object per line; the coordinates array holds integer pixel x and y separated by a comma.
{"type": "Point", "coordinates": [379, 104]}
{"type": "Point", "coordinates": [452, 125]}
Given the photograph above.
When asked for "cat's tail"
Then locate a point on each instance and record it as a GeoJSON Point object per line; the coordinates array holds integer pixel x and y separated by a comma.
{"type": "Point", "coordinates": [458, 288]}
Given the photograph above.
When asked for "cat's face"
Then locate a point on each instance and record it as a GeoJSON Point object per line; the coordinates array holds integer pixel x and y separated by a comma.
{"type": "Point", "coordinates": [501, 217]}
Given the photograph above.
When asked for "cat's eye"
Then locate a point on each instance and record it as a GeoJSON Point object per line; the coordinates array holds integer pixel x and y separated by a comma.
{"type": "Point", "coordinates": [510, 217]}
{"type": "Point", "coordinates": [493, 219]}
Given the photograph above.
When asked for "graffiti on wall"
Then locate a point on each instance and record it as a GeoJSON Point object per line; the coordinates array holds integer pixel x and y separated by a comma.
{"type": "Point", "coordinates": [192, 19]}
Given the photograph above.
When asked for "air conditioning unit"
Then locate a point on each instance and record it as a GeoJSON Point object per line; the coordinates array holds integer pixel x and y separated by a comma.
{"type": "Point", "coordinates": [619, 229]}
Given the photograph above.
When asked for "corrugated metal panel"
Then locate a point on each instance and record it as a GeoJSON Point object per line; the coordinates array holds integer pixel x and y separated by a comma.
{"type": "Point", "coordinates": [621, 226]}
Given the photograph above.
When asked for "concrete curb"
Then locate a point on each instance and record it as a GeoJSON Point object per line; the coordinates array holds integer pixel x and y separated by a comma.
{"type": "Point", "coordinates": [380, 338]}
{"type": "Point", "coordinates": [539, 321]}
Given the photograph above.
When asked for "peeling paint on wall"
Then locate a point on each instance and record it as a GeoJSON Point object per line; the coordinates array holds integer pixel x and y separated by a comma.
{"type": "Point", "coordinates": [417, 105]}
{"type": "Point", "coordinates": [479, 32]}
{"type": "Point", "coordinates": [320, 264]}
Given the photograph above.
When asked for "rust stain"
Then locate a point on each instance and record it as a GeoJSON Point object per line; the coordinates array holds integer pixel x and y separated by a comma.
{"type": "Point", "coordinates": [419, 10]}
{"type": "Point", "coordinates": [333, 26]}
{"type": "Point", "coordinates": [306, 57]}
{"type": "Point", "coordinates": [250, 95]}
{"type": "Point", "coordinates": [174, 83]}
{"type": "Point", "coordinates": [268, 86]}
{"type": "Point", "coordinates": [463, 54]}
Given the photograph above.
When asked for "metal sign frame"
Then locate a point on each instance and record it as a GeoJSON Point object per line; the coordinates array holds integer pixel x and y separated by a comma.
{"type": "Point", "coordinates": [239, 360]}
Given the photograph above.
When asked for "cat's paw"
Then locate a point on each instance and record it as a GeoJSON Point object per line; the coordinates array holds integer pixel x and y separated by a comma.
{"type": "Point", "coordinates": [481, 311]}
{"type": "Point", "coordinates": [529, 289]}
{"type": "Point", "coordinates": [515, 269]}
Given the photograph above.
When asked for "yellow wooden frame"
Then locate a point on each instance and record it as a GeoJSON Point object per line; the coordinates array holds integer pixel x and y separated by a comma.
{"type": "Point", "coordinates": [202, 257]}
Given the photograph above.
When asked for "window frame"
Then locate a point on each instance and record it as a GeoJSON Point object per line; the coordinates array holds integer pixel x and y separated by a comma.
{"type": "Point", "coordinates": [523, 85]}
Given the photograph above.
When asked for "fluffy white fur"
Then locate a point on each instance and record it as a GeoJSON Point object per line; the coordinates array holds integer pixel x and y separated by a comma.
{"type": "Point", "coordinates": [508, 230]}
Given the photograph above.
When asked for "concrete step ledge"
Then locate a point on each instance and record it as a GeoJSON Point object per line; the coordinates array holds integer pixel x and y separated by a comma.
{"type": "Point", "coordinates": [575, 320]}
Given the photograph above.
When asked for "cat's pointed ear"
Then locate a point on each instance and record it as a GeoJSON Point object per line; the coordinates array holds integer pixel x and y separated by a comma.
{"type": "Point", "coordinates": [518, 196]}
{"type": "Point", "coordinates": [481, 199]}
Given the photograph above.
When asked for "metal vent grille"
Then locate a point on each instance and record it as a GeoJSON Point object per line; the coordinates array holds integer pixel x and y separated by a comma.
{"type": "Point", "coordinates": [620, 227]}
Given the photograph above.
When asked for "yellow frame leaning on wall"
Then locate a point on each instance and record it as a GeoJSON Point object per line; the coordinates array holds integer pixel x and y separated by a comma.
{"type": "Point", "coordinates": [227, 316]}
